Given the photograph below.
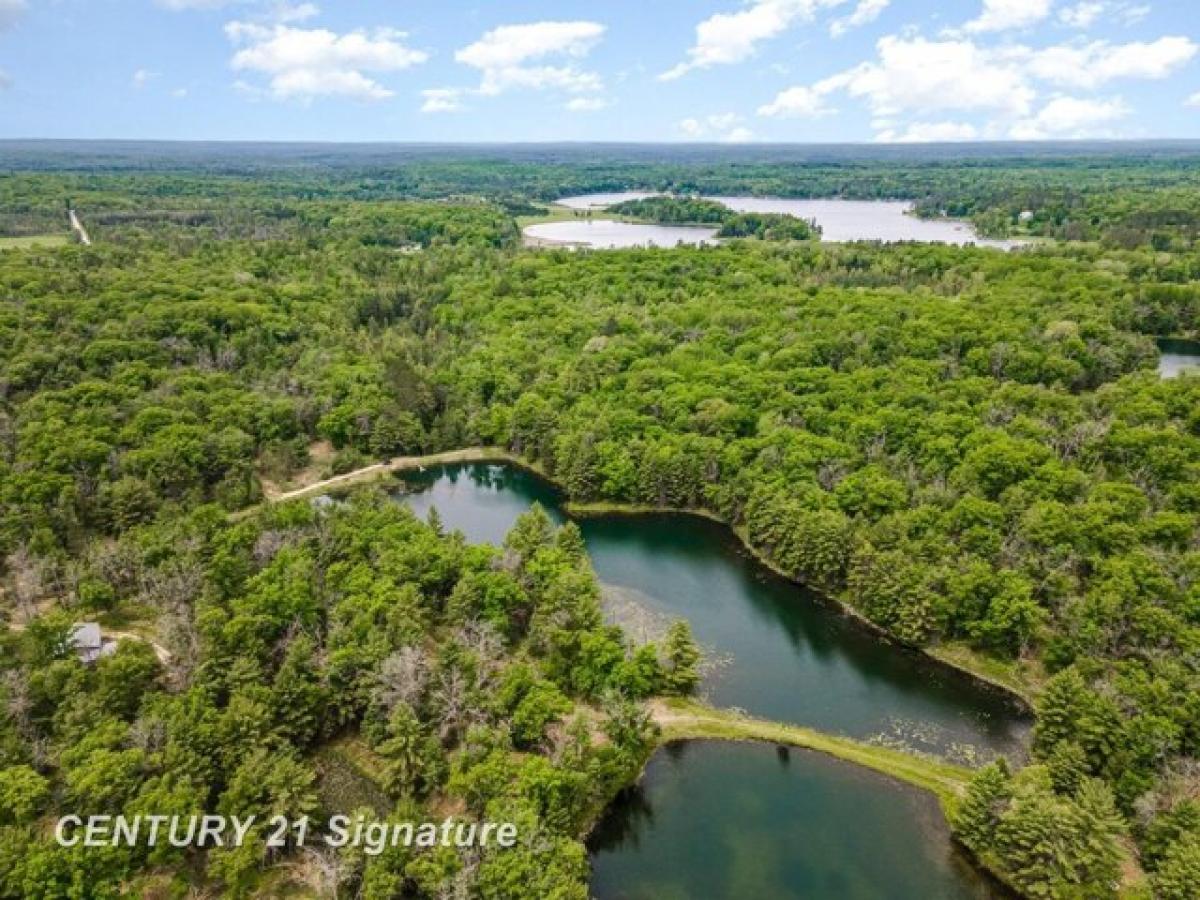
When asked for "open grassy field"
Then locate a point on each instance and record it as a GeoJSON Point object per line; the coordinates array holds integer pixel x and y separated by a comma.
{"type": "Point", "coordinates": [33, 240]}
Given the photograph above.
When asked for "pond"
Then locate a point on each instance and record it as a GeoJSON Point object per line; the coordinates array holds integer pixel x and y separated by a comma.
{"type": "Point", "coordinates": [727, 821]}
{"type": "Point", "coordinates": [1177, 357]}
{"type": "Point", "coordinates": [787, 654]}
{"type": "Point", "coordinates": [606, 234]}
{"type": "Point", "coordinates": [840, 220]}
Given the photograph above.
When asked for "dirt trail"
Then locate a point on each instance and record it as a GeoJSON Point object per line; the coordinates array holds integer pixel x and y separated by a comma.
{"type": "Point", "coordinates": [163, 654]}
{"type": "Point", "coordinates": [397, 464]}
{"type": "Point", "coordinates": [77, 227]}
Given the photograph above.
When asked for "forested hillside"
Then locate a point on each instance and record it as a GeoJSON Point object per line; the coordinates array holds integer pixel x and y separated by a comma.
{"type": "Point", "coordinates": [969, 448]}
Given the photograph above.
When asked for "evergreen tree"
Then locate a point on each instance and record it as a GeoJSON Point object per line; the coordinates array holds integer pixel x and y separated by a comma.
{"type": "Point", "coordinates": [977, 816]}
{"type": "Point", "coordinates": [681, 673]}
{"type": "Point", "coordinates": [1060, 709]}
{"type": "Point", "coordinates": [1179, 876]}
{"type": "Point", "coordinates": [1068, 767]}
{"type": "Point", "coordinates": [570, 541]}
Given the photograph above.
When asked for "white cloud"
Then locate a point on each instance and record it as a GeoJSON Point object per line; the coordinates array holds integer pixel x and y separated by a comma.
{"type": "Point", "coordinates": [503, 57]}
{"type": "Point", "coordinates": [1095, 64]}
{"type": "Point", "coordinates": [1082, 15]}
{"type": "Point", "coordinates": [1002, 15]}
{"type": "Point", "coordinates": [286, 13]}
{"type": "Point", "coordinates": [586, 104]}
{"type": "Point", "coordinates": [923, 76]}
{"type": "Point", "coordinates": [723, 121]}
{"type": "Point", "coordinates": [143, 77]}
{"type": "Point", "coordinates": [930, 133]}
{"type": "Point", "coordinates": [725, 127]}
{"type": "Point", "coordinates": [1086, 13]}
{"type": "Point", "coordinates": [439, 100]}
{"type": "Point", "coordinates": [180, 5]}
{"type": "Point", "coordinates": [10, 12]}
{"type": "Point", "coordinates": [733, 37]}
{"type": "Point", "coordinates": [914, 78]}
{"type": "Point", "coordinates": [1193, 100]}
{"type": "Point", "coordinates": [865, 13]}
{"type": "Point", "coordinates": [1131, 15]}
{"type": "Point", "coordinates": [1071, 117]}
{"type": "Point", "coordinates": [279, 12]}
{"type": "Point", "coordinates": [513, 45]}
{"type": "Point", "coordinates": [797, 102]}
{"type": "Point", "coordinates": [179, 93]}
{"type": "Point", "coordinates": [304, 63]}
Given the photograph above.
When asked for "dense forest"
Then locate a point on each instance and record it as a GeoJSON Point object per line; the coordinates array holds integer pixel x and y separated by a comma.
{"type": "Point", "coordinates": [971, 449]}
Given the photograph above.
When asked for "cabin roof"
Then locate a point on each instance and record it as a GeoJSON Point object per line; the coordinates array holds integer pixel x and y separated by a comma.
{"type": "Point", "coordinates": [86, 636]}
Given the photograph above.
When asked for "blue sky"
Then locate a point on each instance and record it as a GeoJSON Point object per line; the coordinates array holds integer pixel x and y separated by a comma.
{"type": "Point", "coordinates": [623, 70]}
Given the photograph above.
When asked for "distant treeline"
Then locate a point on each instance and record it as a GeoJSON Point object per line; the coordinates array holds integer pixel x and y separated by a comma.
{"type": "Point", "coordinates": [1125, 196]}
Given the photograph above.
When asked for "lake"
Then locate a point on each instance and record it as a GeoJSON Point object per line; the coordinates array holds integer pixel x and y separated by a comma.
{"type": "Point", "coordinates": [733, 821]}
{"type": "Point", "coordinates": [840, 220]}
{"type": "Point", "coordinates": [602, 201]}
{"type": "Point", "coordinates": [606, 234]}
{"type": "Point", "coordinates": [868, 220]}
{"type": "Point", "coordinates": [1178, 356]}
{"type": "Point", "coordinates": [786, 654]}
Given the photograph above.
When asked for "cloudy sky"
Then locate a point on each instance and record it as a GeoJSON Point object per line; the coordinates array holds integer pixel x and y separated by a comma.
{"type": "Point", "coordinates": [636, 70]}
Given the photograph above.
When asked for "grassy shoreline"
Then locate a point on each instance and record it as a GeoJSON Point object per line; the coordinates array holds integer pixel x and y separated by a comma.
{"type": "Point", "coordinates": [993, 674]}
{"type": "Point", "coordinates": [682, 720]}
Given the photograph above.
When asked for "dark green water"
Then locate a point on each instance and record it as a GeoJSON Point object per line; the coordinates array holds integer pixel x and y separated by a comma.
{"type": "Point", "coordinates": [724, 821]}
{"type": "Point", "coordinates": [794, 658]}
{"type": "Point", "coordinates": [1178, 356]}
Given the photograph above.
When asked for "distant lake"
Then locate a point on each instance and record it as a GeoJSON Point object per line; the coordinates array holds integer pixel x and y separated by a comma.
{"type": "Point", "coordinates": [605, 234]}
{"type": "Point", "coordinates": [867, 220]}
{"type": "Point", "coordinates": [840, 220]}
{"type": "Point", "coordinates": [602, 201]}
{"type": "Point", "coordinates": [1178, 357]}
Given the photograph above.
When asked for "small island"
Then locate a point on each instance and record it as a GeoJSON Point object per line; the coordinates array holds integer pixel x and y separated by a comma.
{"type": "Point", "coordinates": [698, 211]}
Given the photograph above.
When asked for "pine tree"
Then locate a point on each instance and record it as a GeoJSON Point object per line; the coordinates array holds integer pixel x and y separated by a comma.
{"type": "Point", "coordinates": [681, 673]}
{"type": "Point", "coordinates": [1060, 708]}
{"type": "Point", "coordinates": [1179, 876]}
{"type": "Point", "coordinates": [979, 813]}
{"type": "Point", "coordinates": [1068, 765]}
{"type": "Point", "coordinates": [531, 532]}
{"type": "Point", "coordinates": [570, 541]}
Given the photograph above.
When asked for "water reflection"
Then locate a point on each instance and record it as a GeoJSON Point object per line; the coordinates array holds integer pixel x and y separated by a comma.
{"type": "Point", "coordinates": [1178, 357]}
{"type": "Point", "coordinates": [792, 656]}
{"type": "Point", "coordinates": [720, 821]}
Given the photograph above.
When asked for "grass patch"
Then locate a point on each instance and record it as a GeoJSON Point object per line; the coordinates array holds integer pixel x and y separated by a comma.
{"type": "Point", "coordinates": [1025, 678]}
{"type": "Point", "coordinates": [636, 509]}
{"type": "Point", "coordinates": [564, 214]}
{"type": "Point", "coordinates": [33, 240]}
{"type": "Point", "coordinates": [689, 720]}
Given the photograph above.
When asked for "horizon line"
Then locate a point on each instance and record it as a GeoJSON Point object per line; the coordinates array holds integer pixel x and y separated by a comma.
{"type": "Point", "coordinates": [725, 145]}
